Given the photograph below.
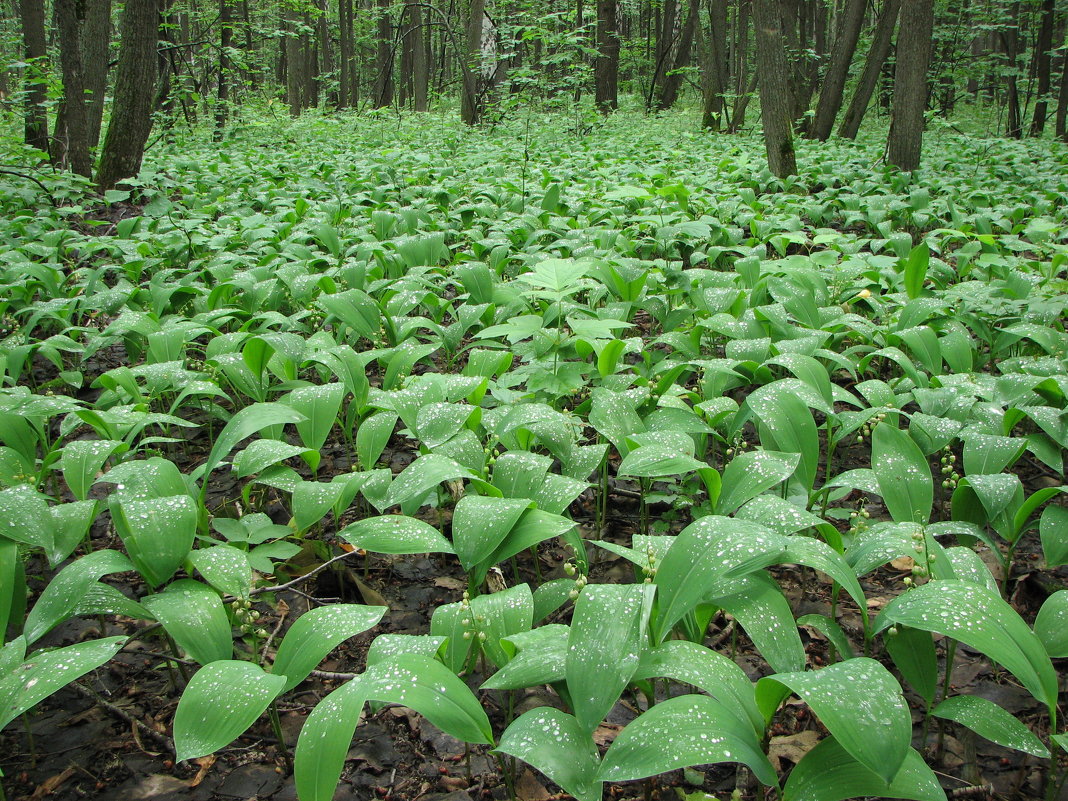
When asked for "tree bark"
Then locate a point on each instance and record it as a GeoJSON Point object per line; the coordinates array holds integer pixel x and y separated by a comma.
{"type": "Point", "coordinates": [834, 79]}
{"type": "Point", "coordinates": [135, 85]}
{"type": "Point", "coordinates": [873, 65]}
{"type": "Point", "coordinates": [910, 83]}
{"type": "Point", "coordinates": [775, 95]}
{"type": "Point", "coordinates": [295, 63]}
{"type": "Point", "coordinates": [1010, 40]}
{"type": "Point", "coordinates": [470, 103]}
{"type": "Point", "coordinates": [743, 84]}
{"type": "Point", "coordinates": [72, 124]}
{"type": "Point", "coordinates": [36, 73]}
{"type": "Point", "coordinates": [383, 94]}
{"type": "Point", "coordinates": [420, 73]}
{"type": "Point", "coordinates": [326, 53]}
{"type": "Point", "coordinates": [1042, 67]}
{"type": "Point", "coordinates": [344, 10]}
{"type": "Point", "coordinates": [226, 33]}
{"type": "Point", "coordinates": [1062, 102]}
{"type": "Point", "coordinates": [606, 68]}
{"type": "Point", "coordinates": [669, 88]}
{"type": "Point", "coordinates": [716, 76]}
{"type": "Point", "coordinates": [96, 37]}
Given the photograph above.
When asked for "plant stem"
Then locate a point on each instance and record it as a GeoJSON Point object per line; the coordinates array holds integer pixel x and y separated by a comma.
{"type": "Point", "coordinates": [276, 727]}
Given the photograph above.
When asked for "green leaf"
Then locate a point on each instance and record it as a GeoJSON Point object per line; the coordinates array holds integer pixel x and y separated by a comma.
{"type": "Point", "coordinates": [751, 473]}
{"type": "Point", "coordinates": [24, 517]}
{"type": "Point", "coordinates": [82, 460]}
{"type": "Point", "coordinates": [829, 773]}
{"type": "Point", "coordinates": [372, 436]}
{"type": "Point", "coordinates": [225, 568]}
{"type": "Point", "coordinates": [859, 702]}
{"type": "Point", "coordinates": [242, 425]}
{"type": "Point", "coordinates": [989, 720]}
{"type": "Point", "coordinates": [320, 406]}
{"type": "Point", "coordinates": [222, 700]}
{"type": "Point", "coordinates": [538, 657]}
{"type": "Point", "coordinates": [1051, 625]}
{"type": "Point", "coordinates": [318, 632]}
{"type": "Point", "coordinates": [262, 453]}
{"type": "Point", "coordinates": [681, 732]}
{"type": "Point", "coordinates": [47, 671]}
{"type": "Point", "coordinates": [757, 603]}
{"type": "Point", "coordinates": [554, 743]}
{"type": "Point", "coordinates": [158, 533]}
{"type": "Point", "coordinates": [503, 614]}
{"type": "Point", "coordinates": [903, 474]}
{"type": "Point", "coordinates": [423, 475]}
{"type": "Point", "coordinates": [395, 534]}
{"type": "Point", "coordinates": [830, 629]}
{"type": "Point", "coordinates": [608, 630]}
{"type": "Point", "coordinates": [914, 655]}
{"type": "Point", "coordinates": [704, 552]}
{"type": "Point", "coordinates": [981, 620]}
{"type": "Point", "coordinates": [193, 615]}
{"type": "Point", "coordinates": [1053, 531]}
{"type": "Point", "coordinates": [67, 588]}
{"type": "Point", "coordinates": [437, 423]}
{"type": "Point", "coordinates": [916, 269]}
{"type": "Point", "coordinates": [480, 524]}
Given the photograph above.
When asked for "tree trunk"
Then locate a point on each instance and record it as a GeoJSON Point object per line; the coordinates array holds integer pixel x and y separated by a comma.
{"type": "Point", "coordinates": [344, 12]}
{"type": "Point", "coordinates": [326, 53]}
{"type": "Point", "coordinates": [135, 85]}
{"type": "Point", "coordinates": [1042, 67]}
{"type": "Point", "coordinates": [471, 103]}
{"type": "Point", "coordinates": [1010, 41]}
{"type": "Point", "coordinates": [295, 63]}
{"type": "Point", "coordinates": [383, 93]}
{"type": "Point", "coordinates": [910, 83]}
{"type": "Point", "coordinates": [72, 124]}
{"type": "Point", "coordinates": [96, 37]}
{"type": "Point", "coordinates": [36, 73]}
{"type": "Point", "coordinates": [1062, 102]}
{"type": "Point", "coordinates": [420, 74]}
{"type": "Point", "coordinates": [873, 65]}
{"type": "Point", "coordinates": [669, 88]}
{"type": "Point", "coordinates": [606, 69]}
{"type": "Point", "coordinates": [715, 85]}
{"type": "Point", "coordinates": [775, 96]}
{"type": "Point", "coordinates": [744, 86]}
{"type": "Point", "coordinates": [226, 33]}
{"type": "Point", "coordinates": [837, 70]}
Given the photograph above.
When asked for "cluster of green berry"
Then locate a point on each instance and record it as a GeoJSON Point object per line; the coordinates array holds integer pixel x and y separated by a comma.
{"type": "Point", "coordinates": [738, 445]}
{"type": "Point", "coordinates": [949, 471]}
{"type": "Point", "coordinates": [471, 622]}
{"type": "Point", "coordinates": [858, 518]}
{"type": "Point", "coordinates": [246, 617]}
{"type": "Point", "coordinates": [580, 580]}
{"type": "Point", "coordinates": [866, 429]}
{"type": "Point", "coordinates": [923, 559]}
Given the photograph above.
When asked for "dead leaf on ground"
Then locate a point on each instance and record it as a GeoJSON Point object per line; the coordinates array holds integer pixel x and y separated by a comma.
{"type": "Point", "coordinates": [203, 765]}
{"type": "Point", "coordinates": [450, 583]}
{"type": "Point", "coordinates": [52, 783]}
{"type": "Point", "coordinates": [606, 733]}
{"type": "Point", "coordinates": [530, 789]}
{"type": "Point", "coordinates": [791, 747]}
{"type": "Point", "coordinates": [903, 564]}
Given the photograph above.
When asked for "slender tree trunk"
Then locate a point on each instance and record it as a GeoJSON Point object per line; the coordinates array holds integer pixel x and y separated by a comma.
{"type": "Point", "coordinates": [96, 36]}
{"type": "Point", "coordinates": [226, 33]}
{"type": "Point", "coordinates": [420, 74]}
{"type": "Point", "coordinates": [36, 73]}
{"type": "Point", "coordinates": [295, 81]}
{"type": "Point", "coordinates": [310, 51]}
{"type": "Point", "coordinates": [606, 69]}
{"type": "Point", "coordinates": [873, 65]}
{"type": "Point", "coordinates": [72, 125]}
{"type": "Point", "coordinates": [326, 53]}
{"type": "Point", "coordinates": [383, 94]}
{"type": "Point", "coordinates": [669, 88]}
{"type": "Point", "coordinates": [344, 9]}
{"type": "Point", "coordinates": [775, 96]}
{"type": "Point", "coordinates": [744, 86]}
{"type": "Point", "coordinates": [834, 79]}
{"type": "Point", "coordinates": [1062, 102]}
{"type": "Point", "coordinates": [135, 85]}
{"type": "Point", "coordinates": [470, 103]}
{"type": "Point", "coordinates": [1010, 40]}
{"type": "Point", "coordinates": [910, 83]}
{"type": "Point", "coordinates": [716, 69]}
{"type": "Point", "coordinates": [1042, 67]}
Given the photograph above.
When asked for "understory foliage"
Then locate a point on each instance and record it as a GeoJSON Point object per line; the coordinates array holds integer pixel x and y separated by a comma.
{"type": "Point", "coordinates": [543, 318]}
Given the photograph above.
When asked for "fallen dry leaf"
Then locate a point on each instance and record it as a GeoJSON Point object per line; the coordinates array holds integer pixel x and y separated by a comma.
{"type": "Point", "coordinates": [52, 783]}
{"type": "Point", "coordinates": [791, 747]}
{"type": "Point", "coordinates": [530, 789]}
{"type": "Point", "coordinates": [203, 765]}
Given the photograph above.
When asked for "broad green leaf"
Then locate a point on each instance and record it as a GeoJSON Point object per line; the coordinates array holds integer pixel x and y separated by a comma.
{"type": "Point", "coordinates": [983, 621]}
{"type": "Point", "coordinates": [313, 499]}
{"type": "Point", "coordinates": [158, 534]}
{"type": "Point", "coordinates": [45, 672]}
{"type": "Point", "coordinates": [1053, 530]}
{"type": "Point", "coordinates": [680, 732]}
{"type": "Point", "coordinates": [538, 657]}
{"type": "Point", "coordinates": [757, 603]}
{"type": "Point", "coordinates": [830, 629]}
{"type": "Point", "coordinates": [225, 568]}
{"type": "Point", "coordinates": [70, 526]}
{"type": "Point", "coordinates": [751, 473]}
{"type": "Point", "coordinates": [502, 614]}
{"type": "Point", "coordinates": [262, 453]}
{"type": "Point", "coordinates": [395, 534]}
{"type": "Point", "coordinates": [554, 743]}
{"type": "Point", "coordinates": [372, 436]}
{"type": "Point", "coordinates": [903, 474]}
{"type": "Point", "coordinates": [989, 720]}
{"type": "Point", "coordinates": [786, 425]}
{"type": "Point", "coordinates": [387, 646]}
{"type": "Point", "coordinates": [829, 773]}
{"type": "Point", "coordinates": [1051, 625]}
{"type": "Point", "coordinates": [655, 461]}
{"type": "Point", "coordinates": [691, 663]}
{"type": "Point", "coordinates": [320, 406]}
{"type": "Point", "coordinates": [914, 655]}
{"type": "Point", "coordinates": [67, 588]}
{"type": "Point", "coordinates": [480, 524]}
{"type": "Point", "coordinates": [193, 615]}
{"type": "Point", "coordinates": [24, 517]}
{"type": "Point", "coordinates": [242, 425]}
{"type": "Point", "coordinates": [318, 632]}
{"type": "Point", "coordinates": [608, 632]}
{"type": "Point", "coordinates": [82, 460]}
{"type": "Point", "coordinates": [704, 552]}
{"type": "Point", "coordinates": [222, 700]}
{"type": "Point", "coordinates": [859, 702]}
{"type": "Point", "coordinates": [437, 423]}
{"type": "Point", "coordinates": [916, 269]}
{"type": "Point", "coordinates": [11, 583]}
{"type": "Point", "coordinates": [423, 475]}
